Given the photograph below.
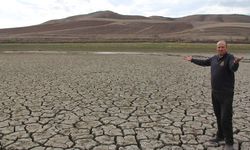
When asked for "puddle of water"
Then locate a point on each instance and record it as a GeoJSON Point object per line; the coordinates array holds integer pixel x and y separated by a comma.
{"type": "Point", "coordinates": [112, 53]}
{"type": "Point", "coordinates": [65, 52]}
{"type": "Point", "coordinates": [87, 52]}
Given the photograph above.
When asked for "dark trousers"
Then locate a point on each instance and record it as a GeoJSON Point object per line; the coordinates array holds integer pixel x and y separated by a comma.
{"type": "Point", "coordinates": [223, 109]}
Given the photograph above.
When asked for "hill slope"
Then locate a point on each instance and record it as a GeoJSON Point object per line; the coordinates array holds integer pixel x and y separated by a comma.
{"type": "Point", "coordinates": [111, 26]}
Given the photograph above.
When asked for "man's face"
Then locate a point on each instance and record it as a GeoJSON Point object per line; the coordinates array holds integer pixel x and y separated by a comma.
{"type": "Point", "coordinates": [221, 48]}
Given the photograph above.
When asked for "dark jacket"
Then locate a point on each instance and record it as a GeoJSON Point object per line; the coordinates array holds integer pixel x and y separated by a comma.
{"type": "Point", "coordinates": [222, 71]}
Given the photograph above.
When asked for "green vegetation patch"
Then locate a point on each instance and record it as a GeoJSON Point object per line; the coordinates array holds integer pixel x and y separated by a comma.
{"type": "Point", "coordinates": [122, 47]}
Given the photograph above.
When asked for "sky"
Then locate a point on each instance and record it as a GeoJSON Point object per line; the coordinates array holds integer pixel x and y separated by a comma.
{"type": "Point", "coordinates": [19, 13]}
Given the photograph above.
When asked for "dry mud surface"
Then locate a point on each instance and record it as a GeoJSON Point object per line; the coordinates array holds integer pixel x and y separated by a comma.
{"type": "Point", "coordinates": [113, 102]}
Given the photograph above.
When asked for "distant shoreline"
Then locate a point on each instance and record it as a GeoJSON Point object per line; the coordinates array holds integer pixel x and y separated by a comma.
{"type": "Point", "coordinates": [123, 47]}
{"type": "Point", "coordinates": [51, 41]}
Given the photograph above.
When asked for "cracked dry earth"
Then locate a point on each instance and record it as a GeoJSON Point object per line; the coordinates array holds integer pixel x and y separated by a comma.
{"type": "Point", "coordinates": [113, 102]}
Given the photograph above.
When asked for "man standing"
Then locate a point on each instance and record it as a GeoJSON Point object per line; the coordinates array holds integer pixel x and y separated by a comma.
{"type": "Point", "coordinates": [223, 67]}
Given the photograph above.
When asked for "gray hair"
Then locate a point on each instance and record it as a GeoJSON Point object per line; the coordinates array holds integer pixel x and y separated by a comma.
{"type": "Point", "coordinates": [222, 41]}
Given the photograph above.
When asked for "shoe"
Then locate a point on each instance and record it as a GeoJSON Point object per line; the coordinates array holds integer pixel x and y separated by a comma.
{"type": "Point", "coordinates": [216, 140]}
{"type": "Point", "coordinates": [228, 147]}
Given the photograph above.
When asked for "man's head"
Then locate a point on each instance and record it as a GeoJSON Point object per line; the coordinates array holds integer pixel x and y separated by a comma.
{"type": "Point", "coordinates": [221, 47]}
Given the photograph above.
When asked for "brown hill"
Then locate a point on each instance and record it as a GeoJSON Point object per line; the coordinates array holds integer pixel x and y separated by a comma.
{"type": "Point", "coordinates": [99, 14]}
{"type": "Point", "coordinates": [217, 18]}
{"type": "Point", "coordinates": [112, 27]}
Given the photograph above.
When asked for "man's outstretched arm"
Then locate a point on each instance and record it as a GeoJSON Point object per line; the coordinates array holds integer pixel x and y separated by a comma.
{"type": "Point", "coordinates": [199, 62]}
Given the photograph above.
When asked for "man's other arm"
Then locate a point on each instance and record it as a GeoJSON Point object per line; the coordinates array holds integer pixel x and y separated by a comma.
{"type": "Point", "coordinates": [234, 63]}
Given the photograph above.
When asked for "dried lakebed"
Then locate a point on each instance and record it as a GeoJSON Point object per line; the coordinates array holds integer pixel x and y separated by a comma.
{"type": "Point", "coordinates": [113, 101]}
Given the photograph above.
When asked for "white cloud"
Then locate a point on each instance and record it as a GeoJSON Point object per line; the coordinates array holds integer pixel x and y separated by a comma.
{"type": "Point", "coordinates": [15, 13]}
{"type": "Point", "coordinates": [221, 10]}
